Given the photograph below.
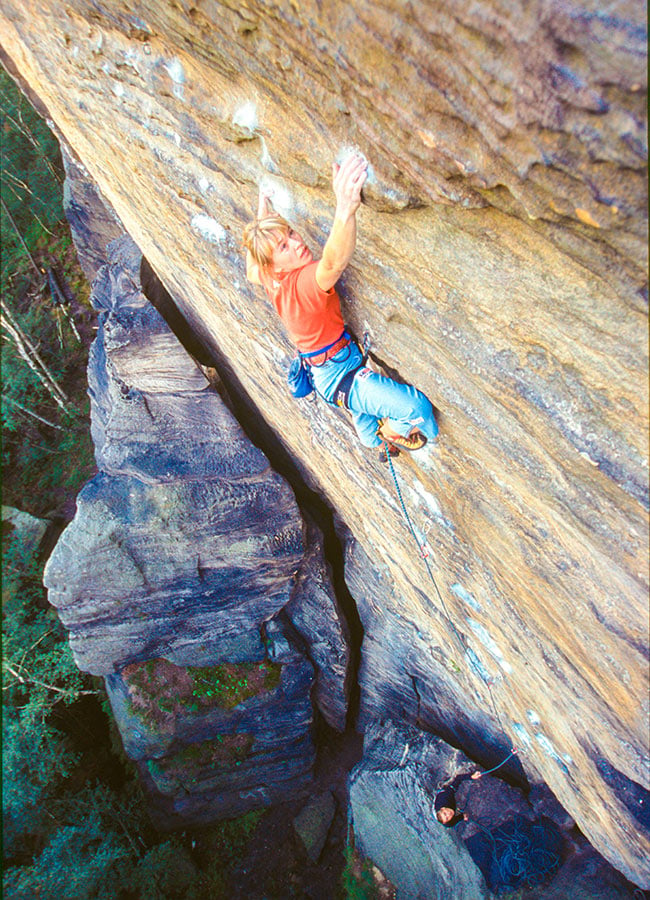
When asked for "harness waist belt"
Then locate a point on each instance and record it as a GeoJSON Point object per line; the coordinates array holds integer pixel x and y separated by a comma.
{"type": "Point", "coordinates": [319, 357]}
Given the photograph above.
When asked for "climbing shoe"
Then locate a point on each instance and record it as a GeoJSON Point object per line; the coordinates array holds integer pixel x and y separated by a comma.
{"type": "Point", "coordinates": [392, 451]}
{"type": "Point", "coordinates": [414, 441]}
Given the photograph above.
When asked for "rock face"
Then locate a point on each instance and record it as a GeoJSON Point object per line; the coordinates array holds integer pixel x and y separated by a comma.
{"type": "Point", "coordinates": [93, 224]}
{"type": "Point", "coordinates": [174, 574]}
{"type": "Point", "coordinates": [30, 529]}
{"type": "Point", "coordinates": [391, 805]}
{"type": "Point", "coordinates": [508, 841]}
{"type": "Point", "coordinates": [501, 267]}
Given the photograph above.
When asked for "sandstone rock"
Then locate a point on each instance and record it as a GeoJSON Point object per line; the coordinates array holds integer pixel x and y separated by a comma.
{"type": "Point", "coordinates": [30, 529]}
{"type": "Point", "coordinates": [315, 614]}
{"type": "Point", "coordinates": [313, 823]}
{"type": "Point", "coordinates": [501, 267]}
{"type": "Point", "coordinates": [507, 840]}
{"type": "Point", "coordinates": [93, 223]}
{"type": "Point", "coordinates": [174, 574]}
{"type": "Point", "coordinates": [217, 741]}
{"type": "Point", "coordinates": [392, 792]}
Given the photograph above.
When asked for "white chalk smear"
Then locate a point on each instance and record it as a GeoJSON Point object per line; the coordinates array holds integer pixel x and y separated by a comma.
{"type": "Point", "coordinates": [418, 491]}
{"type": "Point", "coordinates": [204, 185]}
{"type": "Point", "coordinates": [489, 643]}
{"type": "Point", "coordinates": [177, 75]}
{"type": "Point", "coordinates": [117, 89]}
{"type": "Point", "coordinates": [209, 228]}
{"type": "Point", "coordinates": [133, 59]}
{"type": "Point", "coordinates": [245, 116]}
{"type": "Point", "coordinates": [175, 69]}
{"type": "Point", "coordinates": [522, 735]}
{"type": "Point", "coordinates": [465, 595]}
{"type": "Point", "coordinates": [533, 718]}
{"type": "Point", "coordinates": [550, 750]}
{"type": "Point", "coordinates": [346, 151]}
{"type": "Point", "coordinates": [280, 196]}
{"type": "Point", "coordinates": [265, 157]}
{"type": "Point", "coordinates": [477, 666]}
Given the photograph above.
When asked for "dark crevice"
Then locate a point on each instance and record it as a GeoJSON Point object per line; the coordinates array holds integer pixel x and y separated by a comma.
{"type": "Point", "coordinates": [634, 796]}
{"type": "Point", "coordinates": [311, 504]}
{"type": "Point", "coordinates": [414, 682]}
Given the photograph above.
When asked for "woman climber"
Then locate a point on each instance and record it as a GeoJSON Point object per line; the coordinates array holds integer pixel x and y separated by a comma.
{"type": "Point", "coordinates": [303, 293]}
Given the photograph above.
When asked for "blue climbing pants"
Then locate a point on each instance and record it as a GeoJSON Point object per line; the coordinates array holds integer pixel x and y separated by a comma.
{"type": "Point", "coordinates": [373, 397]}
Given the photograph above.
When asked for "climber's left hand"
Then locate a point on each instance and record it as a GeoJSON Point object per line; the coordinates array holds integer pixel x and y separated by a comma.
{"type": "Point", "coordinates": [264, 205]}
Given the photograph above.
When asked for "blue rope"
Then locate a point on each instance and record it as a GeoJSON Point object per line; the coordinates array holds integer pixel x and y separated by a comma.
{"type": "Point", "coordinates": [521, 854]}
{"type": "Point", "coordinates": [494, 768]}
{"type": "Point", "coordinates": [465, 649]}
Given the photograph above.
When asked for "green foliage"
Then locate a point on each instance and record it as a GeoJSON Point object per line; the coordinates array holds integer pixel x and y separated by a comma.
{"type": "Point", "coordinates": [38, 668]}
{"type": "Point", "coordinates": [32, 182]}
{"type": "Point", "coordinates": [38, 673]}
{"type": "Point", "coordinates": [228, 841]}
{"type": "Point", "coordinates": [80, 861]}
{"type": "Point", "coordinates": [357, 882]}
{"type": "Point", "coordinates": [167, 871]}
{"type": "Point", "coordinates": [230, 684]}
{"type": "Point", "coordinates": [42, 463]}
{"type": "Point", "coordinates": [46, 463]}
{"type": "Point", "coordinates": [66, 834]}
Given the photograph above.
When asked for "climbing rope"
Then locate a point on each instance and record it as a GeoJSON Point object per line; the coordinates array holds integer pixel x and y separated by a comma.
{"type": "Point", "coordinates": [494, 768]}
{"type": "Point", "coordinates": [467, 651]}
{"type": "Point", "coordinates": [522, 853]}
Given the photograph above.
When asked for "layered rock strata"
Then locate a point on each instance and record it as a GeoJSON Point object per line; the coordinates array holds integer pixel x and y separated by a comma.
{"type": "Point", "coordinates": [175, 574]}
{"type": "Point", "coordinates": [509, 841]}
{"type": "Point", "coordinates": [501, 267]}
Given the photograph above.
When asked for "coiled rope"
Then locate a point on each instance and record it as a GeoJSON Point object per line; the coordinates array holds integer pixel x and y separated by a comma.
{"type": "Point", "coordinates": [522, 853]}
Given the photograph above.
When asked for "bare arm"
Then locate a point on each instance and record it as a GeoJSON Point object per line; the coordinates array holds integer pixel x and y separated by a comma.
{"type": "Point", "coordinates": [347, 180]}
{"type": "Point", "coordinates": [264, 208]}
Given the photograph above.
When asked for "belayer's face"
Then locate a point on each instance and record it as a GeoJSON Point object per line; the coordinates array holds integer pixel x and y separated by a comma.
{"type": "Point", "coordinates": [290, 253]}
{"type": "Point", "coordinates": [445, 815]}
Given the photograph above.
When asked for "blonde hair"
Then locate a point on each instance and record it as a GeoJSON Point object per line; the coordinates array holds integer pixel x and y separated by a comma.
{"type": "Point", "coordinates": [260, 238]}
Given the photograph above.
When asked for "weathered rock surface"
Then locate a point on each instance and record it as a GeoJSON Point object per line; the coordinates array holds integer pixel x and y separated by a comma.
{"type": "Point", "coordinates": [93, 223]}
{"type": "Point", "coordinates": [313, 822]}
{"type": "Point", "coordinates": [392, 792]}
{"type": "Point", "coordinates": [216, 742]}
{"type": "Point", "coordinates": [30, 529]}
{"type": "Point", "coordinates": [508, 840]}
{"type": "Point", "coordinates": [174, 574]}
{"type": "Point", "coordinates": [315, 614]}
{"type": "Point", "coordinates": [501, 267]}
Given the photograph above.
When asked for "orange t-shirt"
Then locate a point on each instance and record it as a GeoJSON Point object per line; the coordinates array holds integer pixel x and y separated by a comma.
{"type": "Point", "coordinates": [311, 316]}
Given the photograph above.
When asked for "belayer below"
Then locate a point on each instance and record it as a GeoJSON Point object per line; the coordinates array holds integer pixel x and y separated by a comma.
{"type": "Point", "coordinates": [445, 801]}
{"type": "Point", "coordinates": [303, 293]}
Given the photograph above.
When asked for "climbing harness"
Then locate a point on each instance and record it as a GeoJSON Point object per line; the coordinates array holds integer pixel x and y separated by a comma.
{"type": "Point", "coordinates": [299, 376]}
{"type": "Point", "coordinates": [342, 392]}
{"type": "Point", "coordinates": [468, 653]}
{"type": "Point", "coordinates": [328, 352]}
